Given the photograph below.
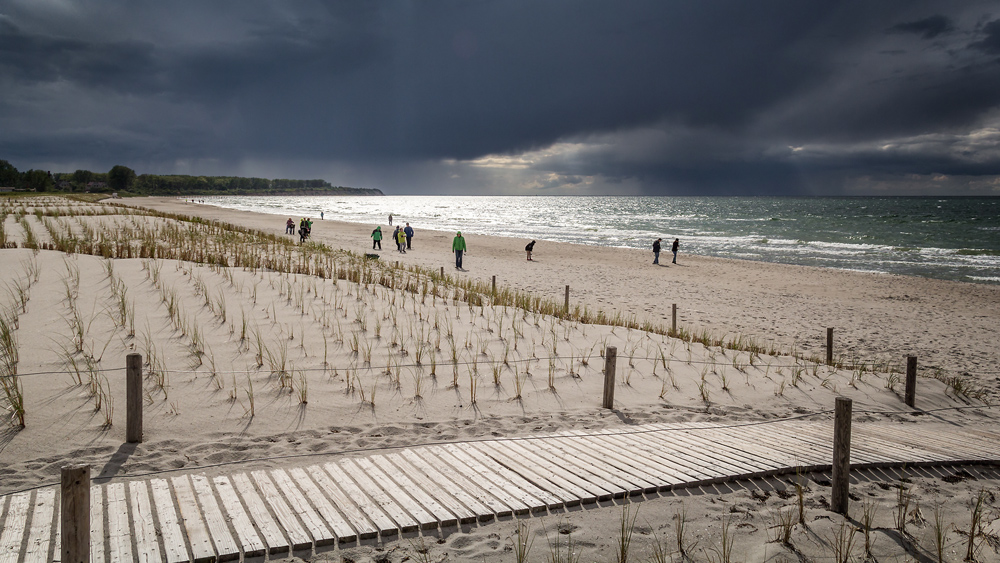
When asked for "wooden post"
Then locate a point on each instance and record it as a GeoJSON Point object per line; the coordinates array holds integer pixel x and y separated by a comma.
{"type": "Point", "coordinates": [841, 455]}
{"type": "Point", "coordinates": [673, 323]}
{"type": "Point", "coordinates": [74, 514]}
{"type": "Point", "coordinates": [133, 396]}
{"type": "Point", "coordinates": [494, 284]}
{"type": "Point", "coordinates": [442, 272]}
{"type": "Point", "coordinates": [829, 346]}
{"type": "Point", "coordinates": [911, 381]}
{"type": "Point", "coordinates": [610, 356]}
{"type": "Point", "coordinates": [566, 306]}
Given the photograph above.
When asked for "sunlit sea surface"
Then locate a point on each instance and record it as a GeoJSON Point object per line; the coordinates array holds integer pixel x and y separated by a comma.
{"type": "Point", "coordinates": [935, 237]}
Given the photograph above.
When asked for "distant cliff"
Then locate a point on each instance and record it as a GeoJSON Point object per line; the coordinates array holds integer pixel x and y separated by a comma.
{"type": "Point", "coordinates": [151, 184]}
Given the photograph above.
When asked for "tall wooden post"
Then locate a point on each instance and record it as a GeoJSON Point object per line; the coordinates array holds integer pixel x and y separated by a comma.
{"type": "Point", "coordinates": [566, 306]}
{"type": "Point", "coordinates": [610, 357]}
{"type": "Point", "coordinates": [829, 346]}
{"type": "Point", "coordinates": [74, 514]}
{"type": "Point", "coordinates": [841, 455]}
{"type": "Point", "coordinates": [133, 396]}
{"type": "Point", "coordinates": [910, 396]}
{"type": "Point", "coordinates": [673, 322]}
{"type": "Point", "coordinates": [494, 284]}
{"type": "Point", "coordinates": [442, 272]}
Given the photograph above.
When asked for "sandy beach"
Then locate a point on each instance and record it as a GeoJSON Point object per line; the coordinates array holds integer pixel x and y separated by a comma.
{"type": "Point", "coordinates": [252, 367]}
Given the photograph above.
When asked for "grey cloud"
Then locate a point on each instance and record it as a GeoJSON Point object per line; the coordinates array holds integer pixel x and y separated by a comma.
{"type": "Point", "coordinates": [928, 28]}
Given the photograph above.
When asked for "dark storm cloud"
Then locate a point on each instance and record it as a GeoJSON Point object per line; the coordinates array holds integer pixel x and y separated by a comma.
{"type": "Point", "coordinates": [706, 97]}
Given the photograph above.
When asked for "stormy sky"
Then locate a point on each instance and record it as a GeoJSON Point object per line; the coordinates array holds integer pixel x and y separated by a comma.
{"type": "Point", "coordinates": [664, 97]}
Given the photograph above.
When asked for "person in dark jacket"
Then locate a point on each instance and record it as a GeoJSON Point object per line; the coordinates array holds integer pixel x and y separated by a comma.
{"type": "Point", "coordinates": [656, 251]}
{"type": "Point", "coordinates": [673, 249]}
{"type": "Point", "coordinates": [377, 238]}
{"type": "Point", "coordinates": [408, 231]}
{"type": "Point", "coordinates": [529, 248]}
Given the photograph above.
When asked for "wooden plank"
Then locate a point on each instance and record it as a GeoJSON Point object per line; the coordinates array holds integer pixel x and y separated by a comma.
{"type": "Point", "coordinates": [461, 512]}
{"type": "Point", "coordinates": [331, 516]}
{"type": "Point", "coordinates": [312, 521]}
{"type": "Point", "coordinates": [550, 499]}
{"type": "Point", "coordinates": [482, 512]}
{"type": "Point", "coordinates": [538, 473]}
{"type": "Point", "coordinates": [297, 535]}
{"type": "Point", "coordinates": [440, 513]}
{"type": "Point", "coordinates": [665, 468]}
{"type": "Point", "coordinates": [270, 532]}
{"type": "Point", "coordinates": [194, 525]}
{"type": "Point", "coordinates": [717, 455]}
{"type": "Point", "coordinates": [630, 475]}
{"type": "Point", "coordinates": [96, 526]}
{"type": "Point", "coordinates": [606, 448]}
{"type": "Point", "coordinates": [357, 519]}
{"type": "Point", "coordinates": [383, 523]}
{"type": "Point", "coordinates": [519, 501]}
{"type": "Point", "coordinates": [119, 531]}
{"type": "Point", "coordinates": [532, 457]}
{"type": "Point", "coordinates": [12, 536]}
{"type": "Point", "coordinates": [405, 522]}
{"type": "Point", "coordinates": [225, 546]}
{"type": "Point", "coordinates": [147, 549]}
{"type": "Point", "coordinates": [174, 548]}
{"type": "Point", "coordinates": [41, 527]}
{"type": "Point", "coordinates": [490, 473]}
{"type": "Point", "coordinates": [768, 459]}
{"type": "Point", "coordinates": [570, 466]}
{"type": "Point", "coordinates": [250, 542]}
{"type": "Point", "coordinates": [806, 451]}
{"type": "Point", "coordinates": [425, 519]}
{"type": "Point", "coordinates": [665, 445]}
{"type": "Point", "coordinates": [461, 483]}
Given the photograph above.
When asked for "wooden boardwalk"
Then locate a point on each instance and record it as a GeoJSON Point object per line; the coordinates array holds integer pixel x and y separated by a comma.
{"type": "Point", "coordinates": [193, 517]}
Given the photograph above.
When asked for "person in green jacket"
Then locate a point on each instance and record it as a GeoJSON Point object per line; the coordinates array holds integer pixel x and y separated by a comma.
{"type": "Point", "coordinates": [377, 238]}
{"type": "Point", "coordinates": [458, 247]}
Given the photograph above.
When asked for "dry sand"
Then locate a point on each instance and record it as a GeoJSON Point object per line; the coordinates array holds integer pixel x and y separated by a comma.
{"type": "Point", "coordinates": [335, 400]}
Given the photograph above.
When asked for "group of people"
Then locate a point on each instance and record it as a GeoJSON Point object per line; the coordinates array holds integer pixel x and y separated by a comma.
{"type": "Point", "coordinates": [305, 228]}
{"type": "Point", "coordinates": [656, 250]}
{"type": "Point", "coordinates": [403, 237]}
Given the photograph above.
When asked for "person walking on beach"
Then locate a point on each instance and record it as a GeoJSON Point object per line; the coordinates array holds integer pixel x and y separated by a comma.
{"type": "Point", "coordinates": [377, 238]}
{"type": "Point", "coordinates": [401, 240]}
{"type": "Point", "coordinates": [320, 215]}
{"type": "Point", "coordinates": [409, 235]}
{"type": "Point", "coordinates": [290, 227]}
{"type": "Point", "coordinates": [458, 247]}
{"type": "Point", "coordinates": [673, 249]}
{"type": "Point", "coordinates": [656, 251]}
{"type": "Point", "coordinates": [390, 219]}
{"type": "Point", "coordinates": [395, 237]}
{"type": "Point", "coordinates": [528, 249]}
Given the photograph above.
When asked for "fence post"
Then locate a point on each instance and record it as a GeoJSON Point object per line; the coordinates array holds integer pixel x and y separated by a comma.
{"type": "Point", "coordinates": [133, 396]}
{"type": "Point", "coordinates": [841, 455]}
{"type": "Point", "coordinates": [673, 322]}
{"type": "Point", "coordinates": [829, 346]}
{"type": "Point", "coordinates": [566, 306]}
{"type": "Point", "coordinates": [494, 284]}
{"type": "Point", "coordinates": [610, 357]}
{"type": "Point", "coordinates": [74, 513]}
{"type": "Point", "coordinates": [442, 272]}
{"type": "Point", "coordinates": [911, 381]}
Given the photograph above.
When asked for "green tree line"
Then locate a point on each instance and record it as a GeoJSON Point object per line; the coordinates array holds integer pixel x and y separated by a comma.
{"type": "Point", "coordinates": [124, 181]}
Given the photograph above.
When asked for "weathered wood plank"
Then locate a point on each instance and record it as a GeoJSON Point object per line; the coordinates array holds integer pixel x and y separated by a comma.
{"type": "Point", "coordinates": [286, 517]}
{"type": "Point", "coordinates": [147, 548]}
{"type": "Point", "coordinates": [405, 522]}
{"type": "Point", "coordinates": [482, 512]}
{"type": "Point", "coordinates": [312, 521]}
{"type": "Point", "coordinates": [662, 468]}
{"type": "Point", "coordinates": [225, 546]}
{"type": "Point", "coordinates": [119, 530]}
{"type": "Point", "coordinates": [357, 519]}
{"type": "Point", "coordinates": [384, 524]}
{"type": "Point", "coordinates": [96, 526]}
{"type": "Point", "coordinates": [500, 492]}
{"type": "Point", "coordinates": [439, 512]}
{"type": "Point", "coordinates": [567, 490]}
{"type": "Point", "coordinates": [331, 516]}
{"type": "Point", "coordinates": [174, 547]}
{"type": "Point", "coordinates": [550, 499]}
{"type": "Point", "coordinates": [627, 473]}
{"type": "Point", "coordinates": [40, 535]}
{"type": "Point", "coordinates": [536, 451]}
{"type": "Point", "coordinates": [499, 481]}
{"type": "Point", "coordinates": [425, 519]}
{"type": "Point", "coordinates": [250, 542]}
{"type": "Point", "coordinates": [269, 530]}
{"type": "Point", "coordinates": [191, 518]}
{"type": "Point", "coordinates": [461, 512]}
{"type": "Point", "coordinates": [461, 483]}
{"type": "Point", "coordinates": [12, 536]}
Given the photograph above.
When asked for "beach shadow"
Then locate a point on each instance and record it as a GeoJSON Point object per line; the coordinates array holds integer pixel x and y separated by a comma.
{"type": "Point", "coordinates": [114, 465]}
{"type": "Point", "coordinates": [7, 435]}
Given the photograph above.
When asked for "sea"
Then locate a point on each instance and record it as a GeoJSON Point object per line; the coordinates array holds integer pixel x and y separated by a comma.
{"type": "Point", "coordinates": [951, 238]}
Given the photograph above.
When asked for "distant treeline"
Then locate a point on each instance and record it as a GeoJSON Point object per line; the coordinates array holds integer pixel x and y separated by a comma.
{"type": "Point", "coordinates": [124, 181]}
